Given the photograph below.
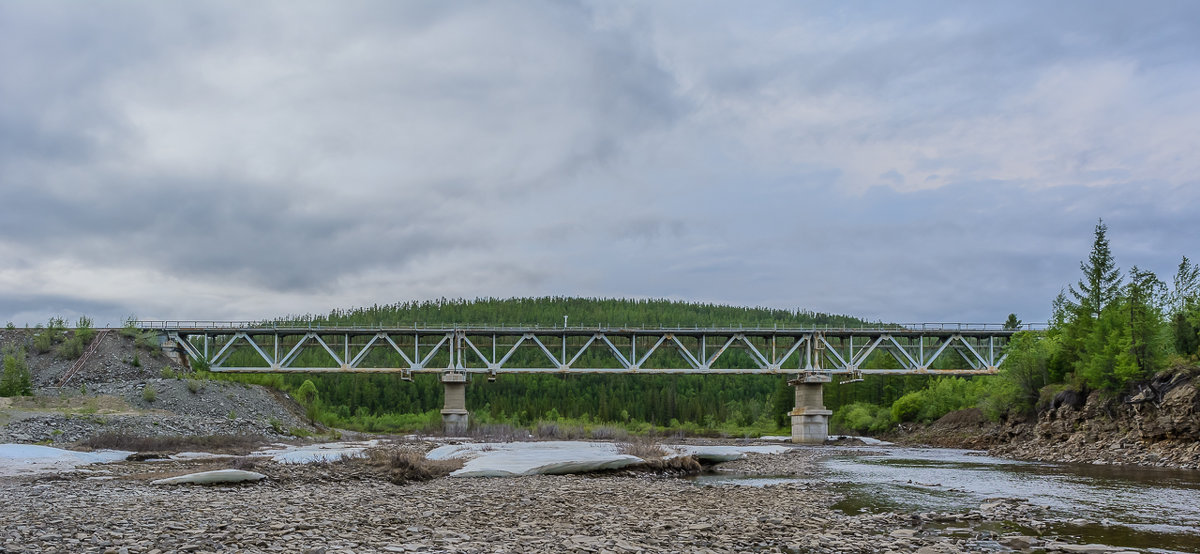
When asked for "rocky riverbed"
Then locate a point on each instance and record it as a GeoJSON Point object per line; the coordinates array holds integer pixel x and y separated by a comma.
{"type": "Point", "coordinates": [341, 507]}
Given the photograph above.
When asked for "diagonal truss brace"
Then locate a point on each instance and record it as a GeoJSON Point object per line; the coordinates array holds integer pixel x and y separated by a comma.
{"type": "Point", "coordinates": [762, 351]}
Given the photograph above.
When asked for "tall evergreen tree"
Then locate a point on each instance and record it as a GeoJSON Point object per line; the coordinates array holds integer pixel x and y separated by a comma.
{"type": "Point", "coordinates": [1185, 308]}
{"type": "Point", "coordinates": [1145, 296]}
{"type": "Point", "coordinates": [1101, 281]}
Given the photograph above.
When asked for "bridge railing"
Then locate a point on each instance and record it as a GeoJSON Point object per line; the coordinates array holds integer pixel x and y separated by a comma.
{"type": "Point", "coordinates": [211, 325]}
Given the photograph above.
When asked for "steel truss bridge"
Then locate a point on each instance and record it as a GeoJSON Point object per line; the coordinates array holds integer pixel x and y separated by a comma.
{"type": "Point", "coordinates": [255, 347]}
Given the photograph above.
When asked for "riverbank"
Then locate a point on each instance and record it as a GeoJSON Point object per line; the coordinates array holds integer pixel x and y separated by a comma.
{"type": "Point", "coordinates": [340, 507]}
{"type": "Point", "coordinates": [1156, 426]}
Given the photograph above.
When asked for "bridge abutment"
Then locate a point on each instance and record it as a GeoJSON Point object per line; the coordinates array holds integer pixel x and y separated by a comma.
{"type": "Point", "coordinates": [810, 419]}
{"type": "Point", "coordinates": [454, 408]}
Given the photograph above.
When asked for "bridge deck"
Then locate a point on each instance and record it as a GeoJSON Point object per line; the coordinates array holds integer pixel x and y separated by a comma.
{"type": "Point", "coordinates": [926, 348]}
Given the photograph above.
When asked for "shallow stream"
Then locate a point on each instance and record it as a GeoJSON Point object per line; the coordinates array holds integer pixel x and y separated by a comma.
{"type": "Point", "coordinates": [1153, 509]}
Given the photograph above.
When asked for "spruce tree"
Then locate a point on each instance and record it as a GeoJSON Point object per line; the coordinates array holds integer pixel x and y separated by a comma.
{"type": "Point", "coordinates": [1145, 296]}
{"type": "Point", "coordinates": [1101, 282]}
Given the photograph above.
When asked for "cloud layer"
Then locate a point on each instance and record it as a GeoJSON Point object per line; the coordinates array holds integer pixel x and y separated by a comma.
{"type": "Point", "coordinates": [220, 160]}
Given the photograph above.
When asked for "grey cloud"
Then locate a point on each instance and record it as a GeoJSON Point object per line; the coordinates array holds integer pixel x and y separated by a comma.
{"type": "Point", "coordinates": [293, 156]}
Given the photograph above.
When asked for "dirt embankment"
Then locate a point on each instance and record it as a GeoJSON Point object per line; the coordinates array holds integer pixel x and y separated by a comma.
{"type": "Point", "coordinates": [1158, 424]}
{"type": "Point", "coordinates": [129, 388]}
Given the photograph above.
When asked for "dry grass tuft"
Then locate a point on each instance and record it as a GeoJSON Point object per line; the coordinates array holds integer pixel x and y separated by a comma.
{"type": "Point", "coordinates": [403, 466]}
{"type": "Point", "coordinates": [644, 448]}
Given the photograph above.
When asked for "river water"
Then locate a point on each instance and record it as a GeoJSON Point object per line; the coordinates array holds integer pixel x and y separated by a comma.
{"type": "Point", "coordinates": [1153, 509]}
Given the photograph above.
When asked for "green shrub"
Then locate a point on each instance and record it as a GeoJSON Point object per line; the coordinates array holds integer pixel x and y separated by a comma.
{"type": "Point", "coordinates": [10, 326]}
{"type": "Point", "coordinates": [84, 331]}
{"type": "Point", "coordinates": [15, 379]}
{"type": "Point", "coordinates": [129, 329]}
{"type": "Point", "coordinates": [194, 386]}
{"type": "Point", "coordinates": [149, 394]}
{"type": "Point", "coordinates": [863, 417]}
{"type": "Point", "coordinates": [70, 349]}
{"type": "Point", "coordinates": [43, 342]}
{"type": "Point", "coordinates": [908, 407]}
{"type": "Point", "coordinates": [135, 362]}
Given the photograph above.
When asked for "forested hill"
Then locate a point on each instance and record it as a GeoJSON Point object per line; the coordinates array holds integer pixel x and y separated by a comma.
{"type": "Point", "coordinates": [376, 402]}
{"type": "Point", "coordinates": [549, 311]}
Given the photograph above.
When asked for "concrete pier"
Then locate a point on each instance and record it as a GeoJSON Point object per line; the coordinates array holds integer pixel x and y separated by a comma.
{"type": "Point", "coordinates": [454, 408]}
{"type": "Point", "coordinates": [810, 419]}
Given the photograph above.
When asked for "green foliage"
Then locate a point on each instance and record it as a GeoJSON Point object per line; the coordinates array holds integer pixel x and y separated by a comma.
{"type": "Point", "coordinates": [57, 324]}
{"type": "Point", "coordinates": [1184, 304]}
{"type": "Point", "coordinates": [308, 397]}
{"type": "Point", "coordinates": [194, 386]}
{"type": "Point", "coordinates": [1025, 370]}
{"type": "Point", "coordinates": [863, 417]}
{"type": "Point", "coordinates": [1185, 290]}
{"type": "Point", "coordinates": [307, 393]}
{"type": "Point", "coordinates": [130, 328]}
{"type": "Point", "coordinates": [43, 342]}
{"type": "Point", "coordinates": [15, 379]}
{"type": "Point", "coordinates": [10, 326]}
{"type": "Point", "coordinates": [149, 394]}
{"type": "Point", "coordinates": [70, 349]}
{"type": "Point", "coordinates": [1145, 296]}
{"type": "Point", "coordinates": [1101, 283]}
{"type": "Point", "coordinates": [942, 396]}
{"type": "Point", "coordinates": [907, 407]}
{"type": "Point", "coordinates": [84, 331]}
{"type": "Point", "coordinates": [1012, 322]}
{"type": "Point", "coordinates": [1185, 330]}
{"type": "Point", "coordinates": [135, 362]}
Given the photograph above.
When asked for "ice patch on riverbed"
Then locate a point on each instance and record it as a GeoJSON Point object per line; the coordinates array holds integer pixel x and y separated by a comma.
{"type": "Point", "coordinates": [310, 453]}
{"type": "Point", "coordinates": [869, 441]}
{"type": "Point", "coordinates": [29, 459]}
{"type": "Point", "coordinates": [507, 459]}
{"type": "Point", "coordinates": [717, 454]}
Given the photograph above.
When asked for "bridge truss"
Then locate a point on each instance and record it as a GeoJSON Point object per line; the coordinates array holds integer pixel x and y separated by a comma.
{"type": "Point", "coordinates": [247, 347]}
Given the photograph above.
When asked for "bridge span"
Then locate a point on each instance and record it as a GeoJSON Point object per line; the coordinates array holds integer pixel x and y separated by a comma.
{"type": "Point", "coordinates": [813, 355]}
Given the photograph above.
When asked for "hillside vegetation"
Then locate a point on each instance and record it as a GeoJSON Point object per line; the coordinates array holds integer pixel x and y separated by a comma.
{"type": "Point", "coordinates": [1109, 335]}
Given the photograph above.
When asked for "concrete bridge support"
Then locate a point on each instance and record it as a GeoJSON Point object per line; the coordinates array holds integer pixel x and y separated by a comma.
{"type": "Point", "coordinates": [454, 408]}
{"type": "Point", "coordinates": [810, 419]}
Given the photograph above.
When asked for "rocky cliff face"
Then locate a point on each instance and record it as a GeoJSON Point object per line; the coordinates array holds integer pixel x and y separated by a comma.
{"type": "Point", "coordinates": [1158, 425]}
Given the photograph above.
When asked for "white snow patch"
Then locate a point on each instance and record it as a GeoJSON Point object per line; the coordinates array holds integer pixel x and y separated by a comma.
{"type": "Point", "coordinates": [29, 459]}
{"type": "Point", "coordinates": [309, 453]}
{"type": "Point", "coordinates": [504, 459]}
{"type": "Point", "coordinates": [212, 477]}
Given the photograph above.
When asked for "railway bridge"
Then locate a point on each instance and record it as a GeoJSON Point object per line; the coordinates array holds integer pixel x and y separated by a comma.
{"type": "Point", "coordinates": [810, 356]}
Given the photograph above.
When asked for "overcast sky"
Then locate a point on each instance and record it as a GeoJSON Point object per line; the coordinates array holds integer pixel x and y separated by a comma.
{"type": "Point", "coordinates": [894, 161]}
